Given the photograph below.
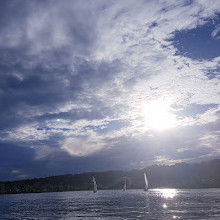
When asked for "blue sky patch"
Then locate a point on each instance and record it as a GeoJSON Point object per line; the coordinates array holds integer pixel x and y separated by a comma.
{"type": "Point", "coordinates": [202, 42]}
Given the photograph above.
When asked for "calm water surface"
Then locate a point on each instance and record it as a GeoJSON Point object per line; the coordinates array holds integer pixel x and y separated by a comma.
{"type": "Point", "coordinates": [114, 204]}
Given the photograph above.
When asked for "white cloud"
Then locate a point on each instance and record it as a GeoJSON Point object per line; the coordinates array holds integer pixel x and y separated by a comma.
{"type": "Point", "coordinates": [211, 140]}
{"type": "Point", "coordinates": [134, 33]}
{"type": "Point", "coordinates": [216, 31]}
{"type": "Point", "coordinates": [168, 161]}
{"type": "Point", "coordinates": [83, 146]}
{"type": "Point", "coordinates": [25, 133]}
{"type": "Point", "coordinates": [15, 171]}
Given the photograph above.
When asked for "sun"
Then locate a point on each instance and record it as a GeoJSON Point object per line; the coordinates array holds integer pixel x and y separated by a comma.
{"type": "Point", "coordinates": [158, 115]}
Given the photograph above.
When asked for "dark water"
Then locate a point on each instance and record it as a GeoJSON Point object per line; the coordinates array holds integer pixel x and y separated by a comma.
{"type": "Point", "coordinates": [114, 204]}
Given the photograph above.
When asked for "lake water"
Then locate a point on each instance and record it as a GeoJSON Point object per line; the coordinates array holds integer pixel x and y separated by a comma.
{"type": "Point", "coordinates": [114, 204]}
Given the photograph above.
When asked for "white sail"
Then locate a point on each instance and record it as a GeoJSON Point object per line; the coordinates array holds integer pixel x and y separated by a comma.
{"type": "Point", "coordinates": [94, 185]}
{"type": "Point", "coordinates": [125, 186]}
{"type": "Point", "coordinates": [145, 182]}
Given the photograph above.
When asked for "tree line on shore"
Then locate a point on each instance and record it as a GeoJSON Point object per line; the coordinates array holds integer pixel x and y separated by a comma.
{"type": "Point", "coordinates": [182, 175]}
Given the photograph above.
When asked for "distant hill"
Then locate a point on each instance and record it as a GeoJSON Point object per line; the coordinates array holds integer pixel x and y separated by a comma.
{"type": "Point", "coordinates": [202, 175]}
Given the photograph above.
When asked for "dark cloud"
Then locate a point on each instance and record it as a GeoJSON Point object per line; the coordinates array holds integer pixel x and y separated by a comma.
{"type": "Point", "coordinates": [14, 157]}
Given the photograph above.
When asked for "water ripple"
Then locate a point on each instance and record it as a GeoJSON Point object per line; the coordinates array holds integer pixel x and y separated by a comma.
{"type": "Point", "coordinates": [132, 204]}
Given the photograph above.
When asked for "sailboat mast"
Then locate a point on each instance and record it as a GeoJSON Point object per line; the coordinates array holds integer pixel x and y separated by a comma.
{"type": "Point", "coordinates": [125, 186]}
{"type": "Point", "coordinates": [145, 182]}
{"type": "Point", "coordinates": [94, 185]}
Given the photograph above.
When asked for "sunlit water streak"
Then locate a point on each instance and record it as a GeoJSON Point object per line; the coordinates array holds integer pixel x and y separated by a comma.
{"type": "Point", "coordinates": [114, 204]}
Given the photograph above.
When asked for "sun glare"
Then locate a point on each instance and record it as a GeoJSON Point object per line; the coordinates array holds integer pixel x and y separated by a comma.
{"type": "Point", "coordinates": [168, 193]}
{"type": "Point", "coordinates": [158, 116]}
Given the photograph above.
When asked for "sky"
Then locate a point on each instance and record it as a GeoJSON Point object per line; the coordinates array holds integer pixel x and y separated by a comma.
{"type": "Point", "coordinates": [107, 85]}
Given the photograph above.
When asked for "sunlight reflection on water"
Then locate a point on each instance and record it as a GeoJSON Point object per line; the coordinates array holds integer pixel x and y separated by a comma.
{"type": "Point", "coordinates": [113, 204]}
{"type": "Point", "coordinates": [167, 193]}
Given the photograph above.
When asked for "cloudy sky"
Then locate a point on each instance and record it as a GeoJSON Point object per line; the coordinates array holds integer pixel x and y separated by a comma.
{"type": "Point", "coordinates": [104, 85]}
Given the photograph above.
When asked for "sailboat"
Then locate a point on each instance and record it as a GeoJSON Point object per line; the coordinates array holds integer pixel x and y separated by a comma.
{"type": "Point", "coordinates": [145, 182]}
{"type": "Point", "coordinates": [94, 185]}
{"type": "Point", "coordinates": [125, 186]}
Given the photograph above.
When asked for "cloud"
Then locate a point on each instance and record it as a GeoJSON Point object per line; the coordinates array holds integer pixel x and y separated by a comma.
{"type": "Point", "coordinates": [215, 32]}
{"type": "Point", "coordinates": [15, 171]}
{"type": "Point", "coordinates": [82, 146]}
{"type": "Point", "coordinates": [73, 87]}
